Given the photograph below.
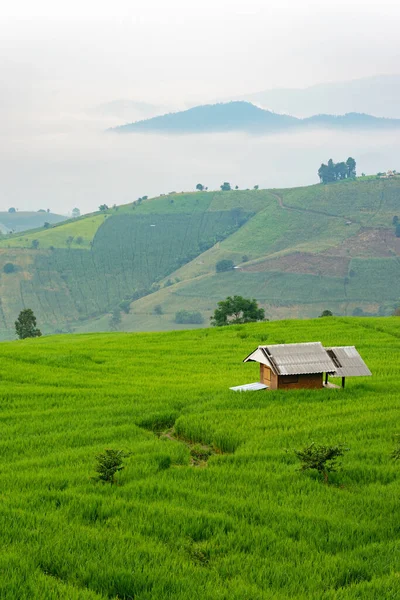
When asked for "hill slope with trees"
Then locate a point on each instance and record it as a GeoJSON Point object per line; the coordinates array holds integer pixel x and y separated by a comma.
{"type": "Point", "coordinates": [297, 251]}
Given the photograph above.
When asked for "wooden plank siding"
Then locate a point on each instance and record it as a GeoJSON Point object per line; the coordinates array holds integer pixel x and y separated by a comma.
{"type": "Point", "coordinates": [289, 382]}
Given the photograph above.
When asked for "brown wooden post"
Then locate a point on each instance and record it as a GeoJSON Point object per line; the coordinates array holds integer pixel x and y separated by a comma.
{"type": "Point", "coordinates": [343, 381]}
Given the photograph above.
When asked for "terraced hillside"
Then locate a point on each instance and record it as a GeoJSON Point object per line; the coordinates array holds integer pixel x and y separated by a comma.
{"type": "Point", "coordinates": [298, 251]}
{"type": "Point", "coordinates": [211, 504]}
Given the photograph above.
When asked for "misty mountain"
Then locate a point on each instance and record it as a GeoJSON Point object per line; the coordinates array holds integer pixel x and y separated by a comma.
{"type": "Point", "coordinates": [245, 117]}
{"type": "Point", "coordinates": [378, 96]}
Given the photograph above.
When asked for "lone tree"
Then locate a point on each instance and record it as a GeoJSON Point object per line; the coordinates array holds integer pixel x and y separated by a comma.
{"type": "Point", "coordinates": [108, 464]}
{"type": "Point", "coordinates": [25, 325]}
{"type": "Point", "coordinates": [226, 186]}
{"type": "Point", "coordinates": [237, 310]}
{"type": "Point", "coordinates": [321, 458]}
{"type": "Point", "coordinates": [200, 187]}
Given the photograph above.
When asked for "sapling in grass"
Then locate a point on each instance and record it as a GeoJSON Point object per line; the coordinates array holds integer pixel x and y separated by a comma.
{"type": "Point", "coordinates": [109, 463]}
{"type": "Point", "coordinates": [321, 458]}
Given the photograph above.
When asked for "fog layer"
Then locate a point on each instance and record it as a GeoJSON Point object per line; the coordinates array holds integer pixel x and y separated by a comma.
{"type": "Point", "coordinates": [69, 161]}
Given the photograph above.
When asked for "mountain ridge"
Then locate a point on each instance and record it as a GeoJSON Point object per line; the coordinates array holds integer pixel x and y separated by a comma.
{"type": "Point", "coordinates": [247, 117]}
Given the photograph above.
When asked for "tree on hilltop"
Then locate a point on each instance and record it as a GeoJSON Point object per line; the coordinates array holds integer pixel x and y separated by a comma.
{"type": "Point", "coordinates": [337, 171]}
{"type": "Point", "coordinates": [237, 310]}
{"type": "Point", "coordinates": [25, 325]}
{"type": "Point", "coordinates": [200, 187]}
{"type": "Point", "coordinates": [226, 186]}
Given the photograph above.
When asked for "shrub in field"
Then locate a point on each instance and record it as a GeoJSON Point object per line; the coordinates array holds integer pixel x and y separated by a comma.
{"type": "Point", "coordinates": [109, 463]}
{"type": "Point", "coordinates": [326, 313]}
{"type": "Point", "coordinates": [224, 265]}
{"type": "Point", "coordinates": [158, 309]}
{"type": "Point", "coordinates": [9, 268]}
{"type": "Point", "coordinates": [25, 325]}
{"type": "Point", "coordinates": [321, 458]}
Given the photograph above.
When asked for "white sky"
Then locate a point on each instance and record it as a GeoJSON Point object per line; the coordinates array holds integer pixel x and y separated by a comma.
{"type": "Point", "coordinates": [187, 50]}
{"type": "Point", "coordinates": [59, 58]}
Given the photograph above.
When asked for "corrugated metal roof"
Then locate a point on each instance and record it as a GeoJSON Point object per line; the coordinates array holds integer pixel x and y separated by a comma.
{"type": "Point", "coordinates": [297, 359]}
{"type": "Point", "coordinates": [249, 387]}
{"type": "Point", "coordinates": [348, 362]}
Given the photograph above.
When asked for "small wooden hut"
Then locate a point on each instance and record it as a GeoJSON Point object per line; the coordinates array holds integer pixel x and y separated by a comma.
{"type": "Point", "coordinates": [295, 366]}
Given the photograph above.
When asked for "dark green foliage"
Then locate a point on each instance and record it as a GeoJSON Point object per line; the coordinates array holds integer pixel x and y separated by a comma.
{"type": "Point", "coordinates": [395, 455]}
{"type": "Point", "coordinates": [256, 187]}
{"type": "Point", "coordinates": [109, 463]}
{"type": "Point", "coordinates": [115, 320]}
{"type": "Point", "coordinates": [79, 240]}
{"type": "Point", "coordinates": [35, 244]}
{"type": "Point", "coordinates": [76, 213]}
{"type": "Point", "coordinates": [9, 268]}
{"type": "Point", "coordinates": [397, 230]}
{"type": "Point", "coordinates": [321, 458]}
{"type": "Point", "coordinates": [226, 186]}
{"type": "Point", "coordinates": [199, 187]}
{"type": "Point", "coordinates": [25, 325]}
{"type": "Point", "coordinates": [164, 462]}
{"type": "Point", "coordinates": [46, 225]}
{"type": "Point", "coordinates": [158, 309]}
{"type": "Point", "coordinates": [326, 313]}
{"type": "Point", "coordinates": [224, 265]}
{"type": "Point", "coordinates": [186, 317]}
{"type": "Point", "coordinates": [103, 207]}
{"type": "Point", "coordinates": [125, 305]}
{"type": "Point", "coordinates": [395, 220]}
{"type": "Point", "coordinates": [335, 172]}
{"type": "Point", "coordinates": [12, 210]}
{"type": "Point", "coordinates": [237, 310]}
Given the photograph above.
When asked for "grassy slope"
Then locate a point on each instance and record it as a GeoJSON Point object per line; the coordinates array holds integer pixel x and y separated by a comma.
{"type": "Point", "coordinates": [314, 220]}
{"type": "Point", "coordinates": [304, 248]}
{"type": "Point", "coordinates": [247, 525]}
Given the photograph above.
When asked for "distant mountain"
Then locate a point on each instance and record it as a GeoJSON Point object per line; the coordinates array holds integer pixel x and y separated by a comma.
{"type": "Point", "coordinates": [244, 116]}
{"type": "Point", "coordinates": [378, 96]}
{"type": "Point", "coordinates": [22, 221]}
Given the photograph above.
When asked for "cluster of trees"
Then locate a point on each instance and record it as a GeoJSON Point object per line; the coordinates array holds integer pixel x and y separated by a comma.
{"type": "Point", "coordinates": [337, 171]}
{"type": "Point", "coordinates": [186, 317]}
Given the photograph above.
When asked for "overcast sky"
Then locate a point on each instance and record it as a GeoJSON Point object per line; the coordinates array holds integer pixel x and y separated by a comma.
{"type": "Point", "coordinates": [60, 59]}
{"type": "Point", "coordinates": [176, 50]}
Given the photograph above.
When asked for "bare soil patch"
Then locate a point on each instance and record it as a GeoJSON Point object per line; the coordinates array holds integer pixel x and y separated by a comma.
{"type": "Point", "coordinates": [303, 262]}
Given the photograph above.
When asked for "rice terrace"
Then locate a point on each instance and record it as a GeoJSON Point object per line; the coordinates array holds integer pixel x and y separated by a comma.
{"type": "Point", "coordinates": [211, 502]}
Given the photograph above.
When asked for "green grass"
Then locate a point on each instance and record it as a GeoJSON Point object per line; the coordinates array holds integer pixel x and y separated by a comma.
{"type": "Point", "coordinates": [57, 236]}
{"type": "Point", "coordinates": [248, 525]}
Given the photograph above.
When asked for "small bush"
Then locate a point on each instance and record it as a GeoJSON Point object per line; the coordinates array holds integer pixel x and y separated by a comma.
{"type": "Point", "coordinates": [224, 265]}
{"type": "Point", "coordinates": [109, 463]}
{"type": "Point", "coordinates": [158, 309]}
{"type": "Point", "coordinates": [321, 458]}
{"type": "Point", "coordinates": [9, 268]}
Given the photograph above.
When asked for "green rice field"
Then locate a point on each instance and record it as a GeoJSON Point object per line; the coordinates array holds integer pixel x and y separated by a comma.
{"type": "Point", "coordinates": [211, 504]}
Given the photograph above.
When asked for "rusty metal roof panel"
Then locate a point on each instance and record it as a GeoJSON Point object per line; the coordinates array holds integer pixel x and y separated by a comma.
{"type": "Point", "coordinates": [348, 362]}
{"type": "Point", "coordinates": [300, 359]}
